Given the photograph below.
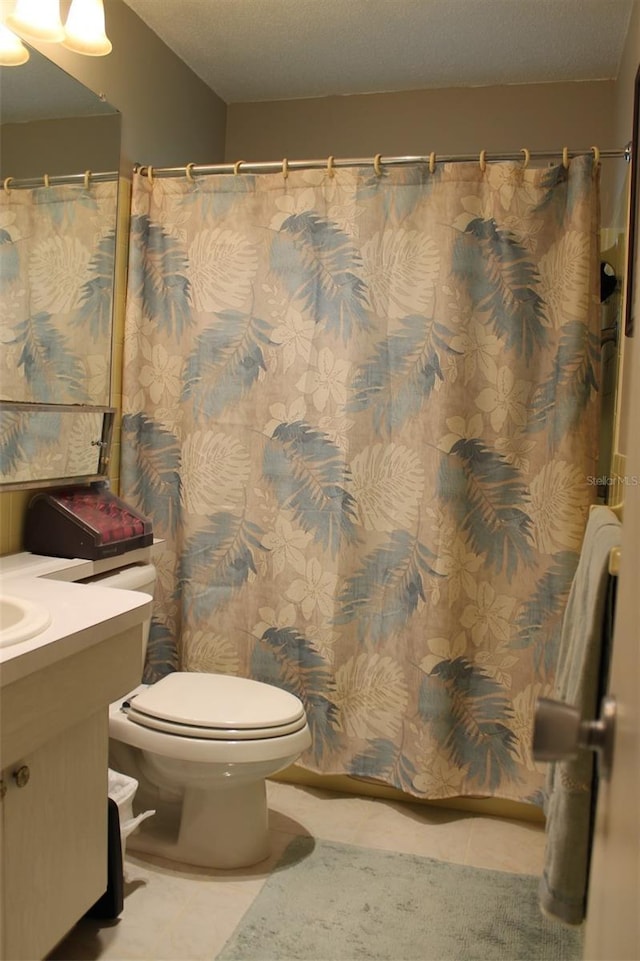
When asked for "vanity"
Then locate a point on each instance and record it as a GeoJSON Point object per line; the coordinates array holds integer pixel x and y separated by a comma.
{"type": "Point", "coordinates": [67, 650]}
{"type": "Point", "coordinates": [55, 689]}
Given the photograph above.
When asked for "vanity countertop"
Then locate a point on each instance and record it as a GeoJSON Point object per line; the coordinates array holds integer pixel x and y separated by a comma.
{"type": "Point", "coordinates": [27, 564]}
{"type": "Point", "coordinates": [81, 615]}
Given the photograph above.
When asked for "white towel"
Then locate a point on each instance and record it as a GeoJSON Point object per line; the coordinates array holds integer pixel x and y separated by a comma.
{"type": "Point", "coordinates": [569, 808]}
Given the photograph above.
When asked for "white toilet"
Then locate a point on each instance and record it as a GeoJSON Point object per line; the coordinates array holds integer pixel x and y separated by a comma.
{"type": "Point", "coordinates": [201, 746]}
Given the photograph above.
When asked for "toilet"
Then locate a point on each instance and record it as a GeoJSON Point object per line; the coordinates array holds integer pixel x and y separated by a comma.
{"type": "Point", "coordinates": [201, 746]}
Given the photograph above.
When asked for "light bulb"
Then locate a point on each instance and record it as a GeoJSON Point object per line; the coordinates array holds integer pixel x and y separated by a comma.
{"type": "Point", "coordinates": [84, 29]}
{"type": "Point", "coordinates": [12, 50]}
{"type": "Point", "coordinates": [37, 20]}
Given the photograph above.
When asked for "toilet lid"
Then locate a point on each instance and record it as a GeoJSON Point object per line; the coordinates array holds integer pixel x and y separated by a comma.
{"type": "Point", "coordinates": [217, 706]}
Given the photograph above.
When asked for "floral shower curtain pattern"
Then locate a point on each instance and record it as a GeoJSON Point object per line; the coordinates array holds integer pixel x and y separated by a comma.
{"type": "Point", "coordinates": [56, 282]}
{"type": "Point", "coordinates": [362, 413]}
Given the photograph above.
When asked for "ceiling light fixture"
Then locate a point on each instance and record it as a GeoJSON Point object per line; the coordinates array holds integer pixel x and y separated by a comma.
{"type": "Point", "coordinates": [12, 50]}
{"type": "Point", "coordinates": [37, 20]}
{"type": "Point", "coordinates": [84, 31]}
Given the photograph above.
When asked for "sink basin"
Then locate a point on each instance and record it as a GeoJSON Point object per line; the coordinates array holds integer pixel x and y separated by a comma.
{"type": "Point", "coordinates": [21, 619]}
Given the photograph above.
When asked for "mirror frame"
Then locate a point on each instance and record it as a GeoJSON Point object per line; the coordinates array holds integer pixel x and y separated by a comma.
{"type": "Point", "coordinates": [633, 269]}
{"type": "Point", "coordinates": [102, 473]}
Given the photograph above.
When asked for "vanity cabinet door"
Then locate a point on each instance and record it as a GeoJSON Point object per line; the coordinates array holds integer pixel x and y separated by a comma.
{"type": "Point", "coordinates": [54, 838]}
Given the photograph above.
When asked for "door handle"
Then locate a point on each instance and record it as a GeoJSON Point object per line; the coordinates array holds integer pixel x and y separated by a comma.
{"type": "Point", "coordinates": [559, 733]}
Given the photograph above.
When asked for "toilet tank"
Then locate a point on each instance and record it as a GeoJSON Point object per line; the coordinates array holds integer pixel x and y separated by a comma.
{"type": "Point", "coordinates": [136, 577]}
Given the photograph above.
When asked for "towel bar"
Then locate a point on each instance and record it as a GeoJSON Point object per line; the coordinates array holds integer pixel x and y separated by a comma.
{"type": "Point", "coordinates": [614, 561]}
{"type": "Point", "coordinates": [614, 554]}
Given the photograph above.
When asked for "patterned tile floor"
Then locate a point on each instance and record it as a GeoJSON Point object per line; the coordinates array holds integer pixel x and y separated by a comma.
{"type": "Point", "coordinates": [179, 912]}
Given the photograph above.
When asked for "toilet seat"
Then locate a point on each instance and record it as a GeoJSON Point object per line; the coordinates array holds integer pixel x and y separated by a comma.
{"type": "Point", "coordinates": [214, 734]}
{"type": "Point", "coordinates": [216, 707]}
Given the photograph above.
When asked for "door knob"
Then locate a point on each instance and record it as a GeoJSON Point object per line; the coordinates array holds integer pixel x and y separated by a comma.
{"type": "Point", "coordinates": [559, 732]}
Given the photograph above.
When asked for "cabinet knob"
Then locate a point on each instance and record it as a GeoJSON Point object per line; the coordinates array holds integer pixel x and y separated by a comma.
{"type": "Point", "coordinates": [22, 775]}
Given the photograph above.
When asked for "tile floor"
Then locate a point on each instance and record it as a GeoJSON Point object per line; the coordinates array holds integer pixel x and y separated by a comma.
{"type": "Point", "coordinates": [185, 913]}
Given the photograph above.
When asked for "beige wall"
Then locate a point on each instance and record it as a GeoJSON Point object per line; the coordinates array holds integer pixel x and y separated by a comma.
{"type": "Point", "coordinates": [623, 115]}
{"type": "Point", "coordinates": [623, 127]}
{"type": "Point", "coordinates": [169, 116]}
{"type": "Point", "coordinates": [448, 121]}
{"type": "Point", "coordinates": [62, 146]}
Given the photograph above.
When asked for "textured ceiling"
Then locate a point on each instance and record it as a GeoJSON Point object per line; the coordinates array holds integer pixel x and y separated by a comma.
{"type": "Point", "coordinates": [248, 50]}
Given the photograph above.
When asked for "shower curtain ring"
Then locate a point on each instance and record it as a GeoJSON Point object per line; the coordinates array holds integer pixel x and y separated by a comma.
{"type": "Point", "coordinates": [483, 160]}
{"type": "Point", "coordinates": [188, 172]}
{"type": "Point", "coordinates": [6, 185]}
{"type": "Point", "coordinates": [596, 156]}
{"type": "Point", "coordinates": [46, 180]}
{"type": "Point", "coordinates": [87, 179]}
{"type": "Point", "coordinates": [150, 175]}
{"type": "Point", "coordinates": [565, 158]}
{"type": "Point", "coordinates": [376, 164]}
{"type": "Point", "coordinates": [330, 169]}
{"type": "Point", "coordinates": [285, 168]}
{"type": "Point", "coordinates": [527, 157]}
{"type": "Point", "coordinates": [432, 162]}
{"type": "Point", "coordinates": [236, 167]}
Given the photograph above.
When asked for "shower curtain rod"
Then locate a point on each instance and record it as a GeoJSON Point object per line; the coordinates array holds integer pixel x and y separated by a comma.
{"type": "Point", "coordinates": [284, 166]}
{"type": "Point", "coordinates": [54, 180]}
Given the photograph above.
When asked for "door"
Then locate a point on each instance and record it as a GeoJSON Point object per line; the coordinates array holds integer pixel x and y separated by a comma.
{"type": "Point", "coordinates": [613, 908]}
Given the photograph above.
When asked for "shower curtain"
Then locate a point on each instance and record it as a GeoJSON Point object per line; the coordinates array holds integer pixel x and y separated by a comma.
{"type": "Point", "coordinates": [360, 407]}
{"type": "Point", "coordinates": [56, 283]}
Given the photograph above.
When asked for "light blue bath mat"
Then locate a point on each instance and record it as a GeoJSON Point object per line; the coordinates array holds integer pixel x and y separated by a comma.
{"type": "Point", "coordinates": [336, 902]}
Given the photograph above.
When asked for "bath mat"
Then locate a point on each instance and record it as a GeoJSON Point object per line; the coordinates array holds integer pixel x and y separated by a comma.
{"type": "Point", "coordinates": [336, 902]}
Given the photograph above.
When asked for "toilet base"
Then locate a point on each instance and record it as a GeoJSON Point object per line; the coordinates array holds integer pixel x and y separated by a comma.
{"type": "Point", "coordinates": [226, 828]}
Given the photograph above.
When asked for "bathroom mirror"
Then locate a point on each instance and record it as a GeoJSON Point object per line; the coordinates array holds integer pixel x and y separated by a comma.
{"type": "Point", "coordinates": [58, 205]}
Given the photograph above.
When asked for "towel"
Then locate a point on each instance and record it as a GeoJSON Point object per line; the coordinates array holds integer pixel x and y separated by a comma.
{"type": "Point", "coordinates": [580, 681]}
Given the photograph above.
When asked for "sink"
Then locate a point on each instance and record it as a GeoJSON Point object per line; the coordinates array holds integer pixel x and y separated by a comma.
{"type": "Point", "coordinates": [21, 619]}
